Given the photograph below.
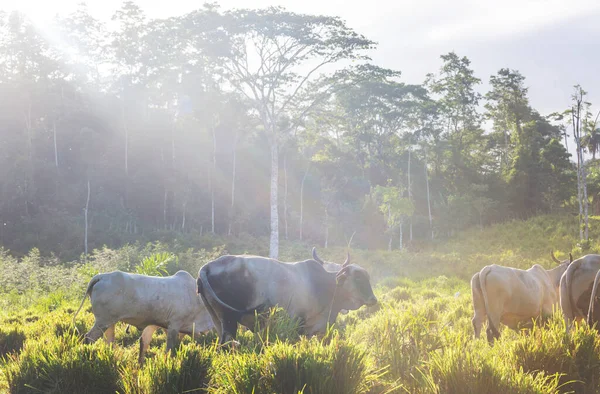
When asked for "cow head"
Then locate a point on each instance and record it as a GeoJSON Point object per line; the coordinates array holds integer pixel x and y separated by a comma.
{"type": "Point", "coordinates": [354, 286]}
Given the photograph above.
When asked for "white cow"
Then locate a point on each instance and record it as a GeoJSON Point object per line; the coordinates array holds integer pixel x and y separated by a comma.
{"type": "Point", "coordinates": [576, 287]}
{"type": "Point", "coordinates": [512, 296]}
{"type": "Point", "coordinates": [145, 302]}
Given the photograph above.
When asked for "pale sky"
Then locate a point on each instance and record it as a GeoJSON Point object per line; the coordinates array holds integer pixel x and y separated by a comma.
{"type": "Point", "coordinates": [553, 43]}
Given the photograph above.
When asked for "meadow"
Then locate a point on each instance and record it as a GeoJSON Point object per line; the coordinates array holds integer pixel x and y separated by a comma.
{"type": "Point", "coordinates": [419, 339]}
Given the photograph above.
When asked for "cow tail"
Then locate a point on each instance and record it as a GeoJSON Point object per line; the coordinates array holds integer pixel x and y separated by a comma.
{"type": "Point", "coordinates": [483, 284]}
{"type": "Point", "coordinates": [209, 293]}
{"type": "Point", "coordinates": [590, 316]}
{"type": "Point", "coordinates": [88, 292]}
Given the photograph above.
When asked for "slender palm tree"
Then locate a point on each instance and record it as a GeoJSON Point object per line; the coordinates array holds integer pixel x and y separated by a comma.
{"type": "Point", "coordinates": [591, 142]}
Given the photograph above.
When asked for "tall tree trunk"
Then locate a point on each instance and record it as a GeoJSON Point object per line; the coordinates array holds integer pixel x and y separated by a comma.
{"type": "Point", "coordinates": [285, 194]}
{"type": "Point", "coordinates": [389, 227]}
{"type": "Point", "coordinates": [87, 205]}
{"type": "Point", "coordinates": [173, 144]}
{"type": "Point", "coordinates": [326, 228]}
{"type": "Point", "coordinates": [232, 209]}
{"type": "Point", "coordinates": [165, 209]}
{"type": "Point", "coordinates": [213, 179]}
{"type": "Point", "coordinates": [409, 192]}
{"type": "Point", "coordinates": [126, 129]}
{"type": "Point", "coordinates": [575, 119]}
{"type": "Point", "coordinates": [585, 197]}
{"type": "Point", "coordinates": [428, 198]}
{"type": "Point", "coordinates": [302, 199]}
{"type": "Point", "coordinates": [274, 239]}
{"type": "Point", "coordinates": [183, 218]}
{"type": "Point", "coordinates": [401, 246]}
{"type": "Point", "coordinates": [55, 144]}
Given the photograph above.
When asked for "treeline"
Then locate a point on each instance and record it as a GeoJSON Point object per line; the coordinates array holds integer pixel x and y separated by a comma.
{"type": "Point", "coordinates": [236, 122]}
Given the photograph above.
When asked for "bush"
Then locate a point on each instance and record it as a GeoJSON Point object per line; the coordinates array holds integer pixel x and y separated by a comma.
{"type": "Point", "coordinates": [63, 365]}
{"type": "Point", "coordinates": [11, 340]}
{"type": "Point", "coordinates": [187, 372]}
{"type": "Point", "coordinates": [455, 370]}
{"type": "Point", "coordinates": [309, 366]}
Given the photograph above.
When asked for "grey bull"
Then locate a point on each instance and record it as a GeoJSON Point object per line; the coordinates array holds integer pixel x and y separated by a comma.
{"type": "Point", "coordinates": [148, 303]}
{"type": "Point", "coordinates": [234, 287]}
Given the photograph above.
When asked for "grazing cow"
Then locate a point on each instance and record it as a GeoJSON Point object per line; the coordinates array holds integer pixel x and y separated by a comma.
{"type": "Point", "coordinates": [513, 296]}
{"type": "Point", "coordinates": [575, 288]}
{"type": "Point", "coordinates": [145, 302]}
{"type": "Point", "coordinates": [234, 287]}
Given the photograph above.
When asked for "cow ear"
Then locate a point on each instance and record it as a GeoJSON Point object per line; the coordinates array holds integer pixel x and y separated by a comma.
{"type": "Point", "coordinates": [347, 262]}
{"type": "Point", "coordinates": [570, 258]}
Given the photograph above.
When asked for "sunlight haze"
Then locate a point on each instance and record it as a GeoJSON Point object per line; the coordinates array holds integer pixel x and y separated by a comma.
{"type": "Point", "coordinates": [547, 41]}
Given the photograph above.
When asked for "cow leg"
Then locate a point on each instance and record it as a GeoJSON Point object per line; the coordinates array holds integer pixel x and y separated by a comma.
{"type": "Point", "coordinates": [145, 340]}
{"type": "Point", "coordinates": [172, 334]}
{"type": "Point", "coordinates": [229, 328]}
{"type": "Point", "coordinates": [479, 314]}
{"type": "Point", "coordinates": [109, 334]}
{"type": "Point", "coordinates": [214, 316]}
{"type": "Point", "coordinates": [94, 333]}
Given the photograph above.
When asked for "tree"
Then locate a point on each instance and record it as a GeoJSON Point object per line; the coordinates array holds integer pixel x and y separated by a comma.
{"type": "Point", "coordinates": [580, 118]}
{"type": "Point", "coordinates": [393, 207]}
{"type": "Point", "coordinates": [508, 107]}
{"type": "Point", "coordinates": [270, 52]}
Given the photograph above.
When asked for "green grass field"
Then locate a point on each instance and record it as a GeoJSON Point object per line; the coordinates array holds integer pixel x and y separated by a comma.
{"type": "Point", "coordinates": [419, 339]}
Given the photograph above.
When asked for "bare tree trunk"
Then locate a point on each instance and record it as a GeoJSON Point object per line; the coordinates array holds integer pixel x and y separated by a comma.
{"type": "Point", "coordinates": [212, 188]}
{"type": "Point", "coordinates": [585, 196]}
{"type": "Point", "coordinates": [401, 246]}
{"type": "Point", "coordinates": [165, 209]}
{"type": "Point", "coordinates": [409, 193]}
{"type": "Point", "coordinates": [274, 239]}
{"type": "Point", "coordinates": [126, 137]}
{"type": "Point", "coordinates": [302, 199]}
{"type": "Point", "coordinates": [173, 144]}
{"type": "Point", "coordinates": [579, 192]}
{"type": "Point", "coordinates": [183, 218]}
{"type": "Point", "coordinates": [326, 228]}
{"type": "Point", "coordinates": [87, 205]}
{"type": "Point", "coordinates": [389, 227]}
{"type": "Point", "coordinates": [285, 193]}
{"type": "Point", "coordinates": [55, 144]}
{"type": "Point", "coordinates": [231, 213]}
{"type": "Point", "coordinates": [428, 198]}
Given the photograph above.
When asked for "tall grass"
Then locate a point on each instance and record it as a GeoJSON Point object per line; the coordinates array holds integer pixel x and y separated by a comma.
{"type": "Point", "coordinates": [418, 340]}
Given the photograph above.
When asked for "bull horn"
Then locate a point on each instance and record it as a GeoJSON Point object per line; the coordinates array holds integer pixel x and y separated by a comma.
{"type": "Point", "coordinates": [347, 262]}
{"type": "Point", "coordinates": [315, 257]}
{"type": "Point", "coordinates": [570, 258]}
{"type": "Point", "coordinates": [554, 257]}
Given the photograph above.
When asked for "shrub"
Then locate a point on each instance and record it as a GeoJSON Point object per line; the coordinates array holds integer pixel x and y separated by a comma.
{"type": "Point", "coordinates": [458, 370]}
{"type": "Point", "coordinates": [63, 365]}
{"type": "Point", "coordinates": [11, 340]}
{"type": "Point", "coordinates": [187, 372]}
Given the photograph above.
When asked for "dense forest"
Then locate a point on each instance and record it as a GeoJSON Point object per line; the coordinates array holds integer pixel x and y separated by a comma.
{"type": "Point", "coordinates": [263, 122]}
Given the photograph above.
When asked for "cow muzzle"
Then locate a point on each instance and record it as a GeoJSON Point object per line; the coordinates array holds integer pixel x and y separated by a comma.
{"type": "Point", "coordinates": [371, 301]}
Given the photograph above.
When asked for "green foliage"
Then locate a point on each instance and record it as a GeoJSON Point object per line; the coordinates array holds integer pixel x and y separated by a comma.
{"type": "Point", "coordinates": [63, 365]}
{"type": "Point", "coordinates": [11, 340]}
{"type": "Point", "coordinates": [188, 372]}
{"type": "Point", "coordinates": [419, 340]}
{"type": "Point", "coordinates": [155, 265]}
